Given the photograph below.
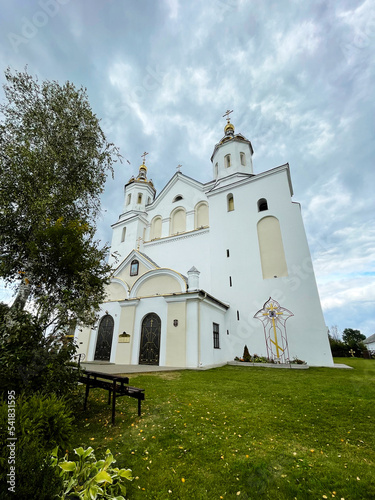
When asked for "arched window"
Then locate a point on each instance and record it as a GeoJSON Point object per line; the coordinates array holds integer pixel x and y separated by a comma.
{"type": "Point", "coordinates": [201, 215]}
{"type": "Point", "coordinates": [243, 159]}
{"type": "Point", "coordinates": [227, 161]}
{"type": "Point", "coordinates": [262, 205]}
{"type": "Point", "coordinates": [129, 199]}
{"type": "Point", "coordinates": [123, 234]}
{"type": "Point", "coordinates": [178, 221]}
{"type": "Point", "coordinates": [139, 200]}
{"type": "Point", "coordinates": [216, 169]}
{"type": "Point", "coordinates": [230, 202]}
{"type": "Point", "coordinates": [148, 200]}
{"type": "Point", "coordinates": [134, 268]}
{"type": "Point", "coordinates": [177, 198]}
{"type": "Point", "coordinates": [271, 248]}
{"type": "Point", "coordinates": [156, 225]}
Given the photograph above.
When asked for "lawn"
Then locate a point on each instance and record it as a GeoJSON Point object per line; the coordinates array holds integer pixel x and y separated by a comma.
{"type": "Point", "coordinates": [236, 432]}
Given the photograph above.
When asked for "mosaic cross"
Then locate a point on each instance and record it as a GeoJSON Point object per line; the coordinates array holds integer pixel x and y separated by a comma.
{"type": "Point", "coordinates": [274, 317]}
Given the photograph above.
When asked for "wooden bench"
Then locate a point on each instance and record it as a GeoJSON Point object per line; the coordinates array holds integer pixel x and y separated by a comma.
{"type": "Point", "coordinates": [116, 385]}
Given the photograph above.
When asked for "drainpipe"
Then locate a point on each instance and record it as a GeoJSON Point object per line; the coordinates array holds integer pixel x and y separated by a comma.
{"type": "Point", "coordinates": [201, 295]}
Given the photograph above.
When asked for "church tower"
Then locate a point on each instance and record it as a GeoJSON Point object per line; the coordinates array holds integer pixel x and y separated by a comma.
{"type": "Point", "coordinates": [129, 230]}
{"type": "Point", "coordinates": [233, 154]}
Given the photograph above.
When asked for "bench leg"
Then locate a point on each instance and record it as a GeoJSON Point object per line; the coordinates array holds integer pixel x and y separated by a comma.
{"type": "Point", "coordinates": [139, 407]}
{"type": "Point", "coordinates": [86, 395]}
{"type": "Point", "coordinates": [113, 402]}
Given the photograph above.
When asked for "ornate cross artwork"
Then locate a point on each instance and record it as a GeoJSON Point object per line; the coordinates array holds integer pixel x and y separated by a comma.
{"type": "Point", "coordinates": [144, 157]}
{"type": "Point", "coordinates": [274, 317]}
{"type": "Point", "coordinates": [227, 113]}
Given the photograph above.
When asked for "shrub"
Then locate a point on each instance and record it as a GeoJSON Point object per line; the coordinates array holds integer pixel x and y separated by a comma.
{"type": "Point", "coordinates": [36, 478]}
{"type": "Point", "coordinates": [246, 355]}
{"type": "Point", "coordinates": [88, 478]}
{"type": "Point", "coordinates": [31, 361]}
{"type": "Point", "coordinates": [41, 423]}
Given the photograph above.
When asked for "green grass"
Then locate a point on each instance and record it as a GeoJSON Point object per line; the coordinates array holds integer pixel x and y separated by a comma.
{"type": "Point", "coordinates": [246, 433]}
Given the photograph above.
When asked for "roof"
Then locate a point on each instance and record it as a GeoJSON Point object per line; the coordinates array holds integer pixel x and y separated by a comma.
{"type": "Point", "coordinates": [369, 339]}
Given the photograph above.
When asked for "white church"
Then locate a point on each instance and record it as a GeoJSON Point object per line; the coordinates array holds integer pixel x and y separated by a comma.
{"type": "Point", "coordinates": [199, 264]}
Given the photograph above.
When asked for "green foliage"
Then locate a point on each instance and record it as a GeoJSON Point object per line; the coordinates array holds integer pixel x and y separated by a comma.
{"type": "Point", "coordinates": [54, 163]}
{"type": "Point", "coordinates": [31, 361]}
{"type": "Point", "coordinates": [246, 355]}
{"type": "Point", "coordinates": [89, 479]}
{"type": "Point", "coordinates": [41, 423]}
{"type": "Point", "coordinates": [36, 478]}
{"type": "Point", "coordinates": [352, 340]}
{"type": "Point", "coordinates": [244, 432]}
{"type": "Point", "coordinates": [338, 347]}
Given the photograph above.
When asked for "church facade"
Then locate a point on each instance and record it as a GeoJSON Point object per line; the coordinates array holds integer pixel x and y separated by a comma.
{"type": "Point", "coordinates": [198, 263]}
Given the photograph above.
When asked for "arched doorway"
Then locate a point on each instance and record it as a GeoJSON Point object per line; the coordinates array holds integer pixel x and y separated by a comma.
{"type": "Point", "coordinates": [150, 340]}
{"type": "Point", "coordinates": [104, 340]}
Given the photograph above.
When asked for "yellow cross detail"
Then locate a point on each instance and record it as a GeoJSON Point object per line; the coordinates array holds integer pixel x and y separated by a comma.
{"type": "Point", "coordinates": [271, 308]}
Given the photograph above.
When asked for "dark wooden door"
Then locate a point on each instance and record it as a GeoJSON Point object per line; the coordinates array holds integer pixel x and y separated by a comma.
{"type": "Point", "coordinates": [104, 341]}
{"type": "Point", "coordinates": [150, 340]}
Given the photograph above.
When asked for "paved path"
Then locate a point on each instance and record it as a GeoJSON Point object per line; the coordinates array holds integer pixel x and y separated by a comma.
{"type": "Point", "coordinates": [105, 367]}
{"type": "Point", "coordinates": [111, 368]}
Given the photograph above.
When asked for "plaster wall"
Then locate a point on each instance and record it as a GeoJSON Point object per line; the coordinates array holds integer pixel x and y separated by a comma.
{"type": "Point", "coordinates": [234, 148]}
{"type": "Point", "coordinates": [124, 350]}
{"type": "Point", "coordinates": [238, 280]}
{"type": "Point", "coordinates": [176, 335]}
{"type": "Point", "coordinates": [182, 252]}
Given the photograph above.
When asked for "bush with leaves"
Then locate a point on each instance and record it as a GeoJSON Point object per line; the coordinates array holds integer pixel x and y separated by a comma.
{"type": "Point", "coordinates": [88, 479]}
{"type": "Point", "coordinates": [246, 355]}
{"type": "Point", "coordinates": [32, 362]}
{"type": "Point", "coordinates": [42, 422]}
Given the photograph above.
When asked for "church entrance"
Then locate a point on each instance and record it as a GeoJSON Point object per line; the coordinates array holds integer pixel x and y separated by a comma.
{"type": "Point", "coordinates": [150, 340]}
{"type": "Point", "coordinates": [104, 341]}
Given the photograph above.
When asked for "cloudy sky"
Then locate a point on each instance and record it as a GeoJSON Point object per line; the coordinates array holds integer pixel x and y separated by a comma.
{"type": "Point", "coordinates": [298, 74]}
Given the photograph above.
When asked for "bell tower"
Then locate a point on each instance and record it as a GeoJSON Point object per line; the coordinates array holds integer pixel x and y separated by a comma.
{"type": "Point", "coordinates": [233, 154]}
{"type": "Point", "coordinates": [129, 230]}
{"type": "Point", "coordinates": [139, 191]}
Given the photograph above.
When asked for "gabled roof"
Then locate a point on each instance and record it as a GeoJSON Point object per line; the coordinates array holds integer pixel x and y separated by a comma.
{"type": "Point", "coordinates": [136, 254]}
{"type": "Point", "coordinates": [241, 178]}
{"type": "Point", "coordinates": [370, 339]}
{"type": "Point", "coordinates": [178, 177]}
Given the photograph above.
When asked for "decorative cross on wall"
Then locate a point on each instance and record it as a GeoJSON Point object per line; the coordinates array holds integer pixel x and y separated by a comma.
{"type": "Point", "coordinates": [274, 317]}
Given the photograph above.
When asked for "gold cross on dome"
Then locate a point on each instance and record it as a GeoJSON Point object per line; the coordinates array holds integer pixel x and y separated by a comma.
{"type": "Point", "coordinates": [144, 157]}
{"type": "Point", "coordinates": [227, 113]}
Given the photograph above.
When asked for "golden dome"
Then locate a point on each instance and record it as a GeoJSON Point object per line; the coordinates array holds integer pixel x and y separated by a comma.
{"type": "Point", "coordinates": [228, 127]}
